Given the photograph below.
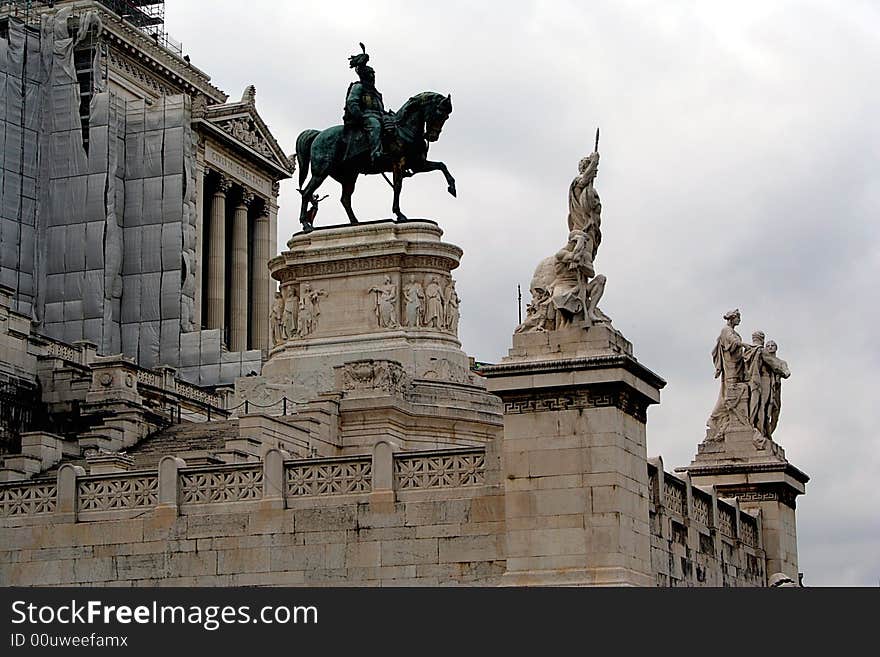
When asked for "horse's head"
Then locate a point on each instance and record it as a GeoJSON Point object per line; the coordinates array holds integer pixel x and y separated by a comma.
{"type": "Point", "coordinates": [425, 113]}
{"type": "Point", "coordinates": [437, 113]}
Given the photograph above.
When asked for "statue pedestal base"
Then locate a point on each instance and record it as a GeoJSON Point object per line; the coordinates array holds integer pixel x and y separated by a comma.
{"type": "Point", "coordinates": [574, 461]}
{"type": "Point", "coordinates": [573, 341]}
{"type": "Point", "coordinates": [370, 348]}
{"type": "Point", "coordinates": [338, 267]}
{"type": "Point", "coordinates": [761, 479]}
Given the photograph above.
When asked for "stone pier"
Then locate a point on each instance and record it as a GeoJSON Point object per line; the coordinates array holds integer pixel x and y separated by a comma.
{"type": "Point", "coordinates": [759, 476]}
{"type": "Point", "coordinates": [574, 461]}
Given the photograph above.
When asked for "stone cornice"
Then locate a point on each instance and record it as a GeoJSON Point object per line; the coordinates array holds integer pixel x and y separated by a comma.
{"type": "Point", "coordinates": [527, 367]}
{"type": "Point", "coordinates": [722, 468]}
{"type": "Point", "coordinates": [120, 34]}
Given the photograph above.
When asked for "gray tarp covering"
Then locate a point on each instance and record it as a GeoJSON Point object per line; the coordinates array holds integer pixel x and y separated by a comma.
{"type": "Point", "coordinates": [99, 241]}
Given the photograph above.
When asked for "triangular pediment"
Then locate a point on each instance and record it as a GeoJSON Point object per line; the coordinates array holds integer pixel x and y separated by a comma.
{"type": "Point", "coordinates": [241, 123]}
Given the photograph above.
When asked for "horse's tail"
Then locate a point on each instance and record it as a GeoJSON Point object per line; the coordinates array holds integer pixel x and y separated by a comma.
{"type": "Point", "coordinates": [303, 153]}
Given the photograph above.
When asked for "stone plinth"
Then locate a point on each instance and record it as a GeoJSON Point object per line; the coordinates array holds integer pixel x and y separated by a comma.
{"type": "Point", "coordinates": [574, 461]}
{"type": "Point", "coordinates": [335, 276]}
{"type": "Point", "coordinates": [756, 472]}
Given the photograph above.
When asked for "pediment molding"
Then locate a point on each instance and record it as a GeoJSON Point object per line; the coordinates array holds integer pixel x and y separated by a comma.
{"type": "Point", "coordinates": [241, 124]}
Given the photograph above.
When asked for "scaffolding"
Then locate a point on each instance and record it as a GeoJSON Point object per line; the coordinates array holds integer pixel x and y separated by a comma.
{"type": "Point", "coordinates": [146, 15]}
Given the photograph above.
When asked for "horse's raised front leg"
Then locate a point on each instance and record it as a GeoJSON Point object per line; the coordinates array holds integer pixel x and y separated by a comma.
{"type": "Point", "coordinates": [398, 185]}
{"type": "Point", "coordinates": [429, 165]}
{"type": "Point", "coordinates": [347, 191]}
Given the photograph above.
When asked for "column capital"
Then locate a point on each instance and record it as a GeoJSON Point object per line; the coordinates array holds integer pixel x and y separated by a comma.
{"type": "Point", "coordinates": [224, 184]}
{"type": "Point", "coordinates": [247, 197]}
{"type": "Point", "coordinates": [265, 210]}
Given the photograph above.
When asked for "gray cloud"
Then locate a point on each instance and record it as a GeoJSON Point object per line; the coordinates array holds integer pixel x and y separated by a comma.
{"type": "Point", "coordinates": [739, 167]}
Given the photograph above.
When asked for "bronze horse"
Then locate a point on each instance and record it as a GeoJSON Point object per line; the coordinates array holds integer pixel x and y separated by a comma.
{"type": "Point", "coordinates": [344, 155]}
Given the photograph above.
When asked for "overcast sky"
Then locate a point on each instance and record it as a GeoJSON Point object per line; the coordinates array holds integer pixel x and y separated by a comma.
{"type": "Point", "coordinates": [740, 164]}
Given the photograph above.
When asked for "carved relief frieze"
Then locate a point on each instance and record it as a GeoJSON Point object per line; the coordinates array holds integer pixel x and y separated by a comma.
{"type": "Point", "coordinates": [329, 267]}
{"type": "Point", "coordinates": [380, 375]}
{"type": "Point", "coordinates": [244, 130]}
{"type": "Point", "coordinates": [443, 369]}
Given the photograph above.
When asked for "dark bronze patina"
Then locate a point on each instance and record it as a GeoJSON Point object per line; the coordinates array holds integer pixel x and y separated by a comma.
{"type": "Point", "coordinates": [371, 140]}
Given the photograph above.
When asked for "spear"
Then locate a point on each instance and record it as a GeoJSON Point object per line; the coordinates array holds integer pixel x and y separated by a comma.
{"type": "Point", "coordinates": [596, 147]}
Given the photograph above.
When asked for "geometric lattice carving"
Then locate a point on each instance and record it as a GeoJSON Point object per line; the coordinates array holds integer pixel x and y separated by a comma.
{"type": "Point", "coordinates": [726, 521]}
{"type": "Point", "coordinates": [64, 352]}
{"type": "Point", "coordinates": [652, 485]}
{"type": "Point", "coordinates": [675, 494]}
{"type": "Point", "coordinates": [232, 484]}
{"type": "Point", "coordinates": [701, 508]}
{"type": "Point", "coordinates": [28, 499]}
{"type": "Point", "coordinates": [125, 492]}
{"type": "Point", "coordinates": [441, 470]}
{"type": "Point", "coordinates": [749, 527]}
{"type": "Point", "coordinates": [337, 477]}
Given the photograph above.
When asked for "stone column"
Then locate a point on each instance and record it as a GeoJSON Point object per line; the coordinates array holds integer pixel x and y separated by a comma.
{"type": "Point", "coordinates": [238, 317]}
{"type": "Point", "coordinates": [260, 275]}
{"type": "Point", "coordinates": [271, 283]}
{"type": "Point", "coordinates": [217, 256]}
{"type": "Point", "coordinates": [199, 261]}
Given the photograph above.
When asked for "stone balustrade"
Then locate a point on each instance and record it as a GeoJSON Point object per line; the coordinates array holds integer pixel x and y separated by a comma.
{"type": "Point", "coordinates": [276, 477]}
{"type": "Point", "coordinates": [696, 535]}
{"type": "Point", "coordinates": [83, 353]}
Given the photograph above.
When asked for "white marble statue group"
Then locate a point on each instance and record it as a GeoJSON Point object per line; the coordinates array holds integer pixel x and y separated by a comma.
{"type": "Point", "coordinates": [751, 384]}
{"type": "Point", "coordinates": [295, 316]}
{"type": "Point", "coordinates": [565, 287]}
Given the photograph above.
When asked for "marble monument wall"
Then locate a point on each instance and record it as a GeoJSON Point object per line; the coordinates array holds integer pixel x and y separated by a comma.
{"type": "Point", "coordinates": [406, 518]}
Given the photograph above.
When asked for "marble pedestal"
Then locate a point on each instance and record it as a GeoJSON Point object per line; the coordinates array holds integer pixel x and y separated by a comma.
{"type": "Point", "coordinates": [341, 265]}
{"type": "Point", "coordinates": [757, 473]}
{"type": "Point", "coordinates": [370, 371]}
{"type": "Point", "coordinates": [574, 460]}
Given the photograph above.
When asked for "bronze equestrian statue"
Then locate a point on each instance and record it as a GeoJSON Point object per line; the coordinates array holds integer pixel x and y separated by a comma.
{"type": "Point", "coordinates": [372, 140]}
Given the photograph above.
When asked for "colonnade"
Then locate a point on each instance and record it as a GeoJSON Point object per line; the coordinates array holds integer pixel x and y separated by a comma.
{"type": "Point", "coordinates": [236, 250]}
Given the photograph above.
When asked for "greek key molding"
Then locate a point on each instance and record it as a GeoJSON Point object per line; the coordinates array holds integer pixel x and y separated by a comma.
{"type": "Point", "coordinates": [599, 396]}
{"type": "Point", "coordinates": [751, 493]}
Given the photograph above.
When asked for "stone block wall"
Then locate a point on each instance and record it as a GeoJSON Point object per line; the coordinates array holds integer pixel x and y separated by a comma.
{"type": "Point", "coordinates": [385, 519]}
{"type": "Point", "coordinates": [327, 523]}
{"type": "Point", "coordinates": [700, 540]}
